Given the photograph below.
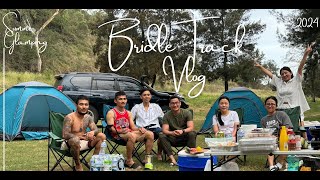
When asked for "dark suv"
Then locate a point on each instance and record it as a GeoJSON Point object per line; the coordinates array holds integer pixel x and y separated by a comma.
{"type": "Point", "coordinates": [101, 88]}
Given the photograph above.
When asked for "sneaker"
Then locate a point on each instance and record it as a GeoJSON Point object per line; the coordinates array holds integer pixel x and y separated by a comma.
{"type": "Point", "coordinates": [274, 168]}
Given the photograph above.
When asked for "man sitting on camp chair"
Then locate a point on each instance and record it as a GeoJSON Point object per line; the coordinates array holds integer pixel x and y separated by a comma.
{"type": "Point", "coordinates": [147, 115]}
{"type": "Point", "coordinates": [177, 128]}
{"type": "Point", "coordinates": [123, 127]}
{"type": "Point", "coordinates": [75, 134]}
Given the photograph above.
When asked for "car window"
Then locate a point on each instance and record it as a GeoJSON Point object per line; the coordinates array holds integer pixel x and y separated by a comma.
{"type": "Point", "coordinates": [103, 84]}
{"type": "Point", "coordinates": [129, 86]}
{"type": "Point", "coordinates": [81, 82]}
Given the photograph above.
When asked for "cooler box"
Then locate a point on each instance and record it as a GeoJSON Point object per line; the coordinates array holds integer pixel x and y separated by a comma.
{"type": "Point", "coordinates": [311, 124]}
{"type": "Point", "coordinates": [197, 162]}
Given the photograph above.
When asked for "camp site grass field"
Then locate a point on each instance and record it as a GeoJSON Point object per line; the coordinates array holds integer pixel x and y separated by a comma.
{"type": "Point", "coordinates": [21, 155]}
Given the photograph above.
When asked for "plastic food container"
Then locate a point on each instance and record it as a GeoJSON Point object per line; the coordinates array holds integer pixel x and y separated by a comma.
{"type": "Point", "coordinates": [258, 148]}
{"type": "Point", "coordinates": [225, 148]}
{"type": "Point", "coordinates": [221, 144]}
{"type": "Point", "coordinates": [258, 141]}
{"type": "Point", "coordinates": [260, 132]}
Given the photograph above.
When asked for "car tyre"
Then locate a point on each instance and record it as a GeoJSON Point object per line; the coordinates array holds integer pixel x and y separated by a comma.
{"type": "Point", "coordinates": [94, 113]}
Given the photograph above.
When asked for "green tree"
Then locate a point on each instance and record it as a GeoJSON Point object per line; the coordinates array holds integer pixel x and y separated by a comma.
{"type": "Point", "coordinates": [68, 37]}
{"type": "Point", "coordinates": [302, 26]}
{"type": "Point", "coordinates": [221, 31]}
{"type": "Point", "coordinates": [140, 62]}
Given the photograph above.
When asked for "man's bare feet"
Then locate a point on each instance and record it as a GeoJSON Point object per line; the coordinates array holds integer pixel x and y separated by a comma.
{"type": "Point", "coordinates": [173, 161]}
{"type": "Point", "coordinates": [79, 167]}
{"type": "Point", "coordinates": [159, 157]}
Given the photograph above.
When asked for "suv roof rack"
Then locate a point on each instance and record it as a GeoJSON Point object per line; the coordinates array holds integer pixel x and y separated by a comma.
{"type": "Point", "coordinates": [110, 74]}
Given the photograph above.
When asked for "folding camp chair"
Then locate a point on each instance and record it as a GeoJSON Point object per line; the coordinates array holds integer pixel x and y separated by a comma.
{"type": "Point", "coordinates": [115, 143]}
{"type": "Point", "coordinates": [54, 144]}
{"type": "Point", "coordinates": [294, 115]}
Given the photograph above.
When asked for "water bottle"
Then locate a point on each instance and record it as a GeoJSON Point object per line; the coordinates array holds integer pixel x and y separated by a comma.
{"type": "Point", "coordinates": [103, 148]}
{"type": "Point", "coordinates": [240, 134]}
{"type": "Point", "coordinates": [94, 163]}
{"type": "Point", "coordinates": [107, 163]}
{"type": "Point", "coordinates": [115, 158]}
{"type": "Point", "coordinates": [121, 163]}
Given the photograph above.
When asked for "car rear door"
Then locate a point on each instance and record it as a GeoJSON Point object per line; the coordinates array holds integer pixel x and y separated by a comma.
{"type": "Point", "coordinates": [103, 90]}
{"type": "Point", "coordinates": [80, 85]}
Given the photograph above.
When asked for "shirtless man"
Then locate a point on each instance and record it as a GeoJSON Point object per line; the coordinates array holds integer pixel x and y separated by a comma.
{"type": "Point", "coordinates": [123, 126]}
{"type": "Point", "coordinates": [74, 131]}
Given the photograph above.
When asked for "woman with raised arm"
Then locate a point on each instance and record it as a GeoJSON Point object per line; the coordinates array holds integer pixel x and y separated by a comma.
{"type": "Point", "coordinates": [289, 87]}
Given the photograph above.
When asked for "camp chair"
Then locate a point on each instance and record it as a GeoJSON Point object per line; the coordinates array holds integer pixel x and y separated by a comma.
{"type": "Point", "coordinates": [115, 143]}
{"type": "Point", "coordinates": [55, 140]}
{"type": "Point", "coordinates": [294, 115]}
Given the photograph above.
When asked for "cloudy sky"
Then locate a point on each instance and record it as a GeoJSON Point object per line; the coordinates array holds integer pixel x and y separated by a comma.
{"type": "Point", "coordinates": [268, 41]}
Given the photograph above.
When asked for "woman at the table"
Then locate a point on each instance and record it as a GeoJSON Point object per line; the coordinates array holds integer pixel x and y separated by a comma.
{"type": "Point", "coordinates": [225, 120]}
{"type": "Point", "coordinates": [275, 119]}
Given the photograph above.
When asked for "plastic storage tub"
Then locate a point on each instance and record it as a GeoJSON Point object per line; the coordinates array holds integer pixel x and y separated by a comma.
{"type": "Point", "coordinates": [258, 141]}
{"type": "Point", "coordinates": [188, 162]}
{"type": "Point", "coordinates": [260, 132]}
{"type": "Point", "coordinates": [221, 144]}
{"type": "Point", "coordinates": [260, 148]}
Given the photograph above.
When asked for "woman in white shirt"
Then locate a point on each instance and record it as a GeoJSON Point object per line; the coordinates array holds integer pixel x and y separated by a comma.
{"type": "Point", "coordinates": [289, 87]}
{"type": "Point", "coordinates": [225, 120]}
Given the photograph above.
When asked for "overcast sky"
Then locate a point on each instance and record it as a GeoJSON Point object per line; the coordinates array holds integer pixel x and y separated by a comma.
{"type": "Point", "coordinates": [268, 41]}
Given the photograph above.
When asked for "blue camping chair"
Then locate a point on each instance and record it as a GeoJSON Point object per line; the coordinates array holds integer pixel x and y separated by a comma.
{"type": "Point", "coordinates": [115, 143]}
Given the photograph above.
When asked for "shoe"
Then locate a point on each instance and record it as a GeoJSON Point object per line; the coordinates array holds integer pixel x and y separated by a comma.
{"type": "Point", "coordinates": [274, 168]}
{"type": "Point", "coordinates": [148, 166]}
{"type": "Point", "coordinates": [173, 164]}
{"type": "Point", "coordinates": [133, 166]}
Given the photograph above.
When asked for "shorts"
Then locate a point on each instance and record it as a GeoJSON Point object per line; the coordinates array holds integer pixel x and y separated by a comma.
{"type": "Point", "coordinates": [83, 145]}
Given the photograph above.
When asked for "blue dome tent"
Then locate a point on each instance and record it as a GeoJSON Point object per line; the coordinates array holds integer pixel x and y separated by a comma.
{"type": "Point", "coordinates": [26, 109]}
{"type": "Point", "coordinates": [242, 99]}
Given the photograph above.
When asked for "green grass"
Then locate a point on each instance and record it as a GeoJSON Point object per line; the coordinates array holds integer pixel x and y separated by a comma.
{"type": "Point", "coordinates": [13, 78]}
{"type": "Point", "coordinates": [314, 113]}
{"type": "Point", "coordinates": [33, 155]}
